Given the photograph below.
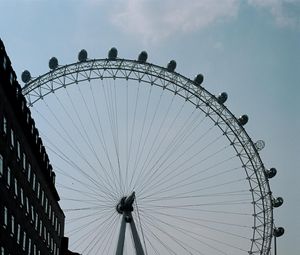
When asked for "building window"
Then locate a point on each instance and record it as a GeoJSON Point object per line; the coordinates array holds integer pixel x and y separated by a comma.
{"type": "Point", "coordinates": [18, 150]}
{"type": "Point", "coordinates": [22, 196]}
{"type": "Point", "coordinates": [24, 161]}
{"type": "Point", "coordinates": [41, 228]}
{"type": "Point", "coordinates": [48, 239]}
{"type": "Point", "coordinates": [16, 188]}
{"type": "Point", "coordinates": [27, 206]}
{"type": "Point", "coordinates": [46, 205]}
{"type": "Point", "coordinates": [12, 225]}
{"type": "Point", "coordinates": [33, 181]}
{"type": "Point", "coordinates": [12, 138]}
{"type": "Point", "coordinates": [18, 234]}
{"type": "Point", "coordinates": [24, 241]}
{"type": "Point", "coordinates": [34, 249]}
{"type": "Point", "coordinates": [36, 221]}
{"type": "Point", "coordinates": [53, 216]}
{"type": "Point", "coordinates": [29, 246]}
{"type": "Point", "coordinates": [55, 224]}
{"type": "Point", "coordinates": [38, 190]}
{"type": "Point", "coordinates": [11, 79]}
{"type": "Point", "coordinates": [4, 64]}
{"type": "Point", "coordinates": [36, 138]}
{"type": "Point", "coordinates": [29, 173]}
{"type": "Point", "coordinates": [1, 165]}
{"type": "Point", "coordinates": [45, 233]}
{"type": "Point", "coordinates": [5, 217]}
{"type": "Point", "coordinates": [4, 125]}
{"type": "Point", "coordinates": [8, 177]}
{"type": "Point", "coordinates": [53, 179]}
{"type": "Point", "coordinates": [51, 244]}
{"type": "Point", "coordinates": [2, 251]}
{"type": "Point", "coordinates": [50, 212]}
{"type": "Point", "coordinates": [27, 117]}
{"type": "Point", "coordinates": [32, 214]}
{"type": "Point", "coordinates": [42, 202]}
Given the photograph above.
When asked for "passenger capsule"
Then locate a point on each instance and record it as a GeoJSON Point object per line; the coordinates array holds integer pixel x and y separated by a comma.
{"type": "Point", "coordinates": [222, 97]}
{"type": "Point", "coordinates": [143, 57]}
{"type": "Point", "coordinates": [26, 76]}
{"type": "Point", "coordinates": [259, 145]}
{"type": "Point", "coordinates": [53, 63]}
{"type": "Point", "coordinates": [82, 55]}
{"type": "Point", "coordinates": [270, 173]}
{"type": "Point", "coordinates": [171, 66]}
{"type": "Point", "coordinates": [277, 202]}
{"type": "Point", "coordinates": [198, 80]}
{"type": "Point", "coordinates": [243, 119]}
{"type": "Point", "coordinates": [277, 232]}
{"type": "Point", "coordinates": [113, 53]}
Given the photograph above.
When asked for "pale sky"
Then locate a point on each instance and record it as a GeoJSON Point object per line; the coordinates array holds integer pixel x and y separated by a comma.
{"type": "Point", "coordinates": [248, 48]}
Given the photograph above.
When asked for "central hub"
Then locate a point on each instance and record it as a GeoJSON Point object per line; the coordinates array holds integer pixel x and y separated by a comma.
{"type": "Point", "coordinates": [125, 204]}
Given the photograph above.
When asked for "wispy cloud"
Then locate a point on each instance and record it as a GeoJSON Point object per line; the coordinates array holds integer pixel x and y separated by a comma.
{"type": "Point", "coordinates": [285, 12]}
{"type": "Point", "coordinates": [155, 20]}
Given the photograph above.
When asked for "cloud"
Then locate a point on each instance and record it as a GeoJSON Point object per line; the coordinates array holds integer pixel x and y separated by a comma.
{"type": "Point", "coordinates": [285, 12]}
{"type": "Point", "coordinates": [156, 20]}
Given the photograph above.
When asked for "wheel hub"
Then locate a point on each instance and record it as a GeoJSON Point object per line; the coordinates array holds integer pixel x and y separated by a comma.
{"type": "Point", "coordinates": [125, 204]}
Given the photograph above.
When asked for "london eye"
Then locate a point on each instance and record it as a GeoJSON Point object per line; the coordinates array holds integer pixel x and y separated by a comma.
{"type": "Point", "coordinates": [149, 161]}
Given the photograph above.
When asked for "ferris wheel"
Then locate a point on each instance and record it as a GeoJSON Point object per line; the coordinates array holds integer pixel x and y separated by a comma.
{"type": "Point", "coordinates": [150, 162]}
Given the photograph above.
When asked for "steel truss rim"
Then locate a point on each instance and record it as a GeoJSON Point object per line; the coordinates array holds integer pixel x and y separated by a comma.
{"type": "Point", "coordinates": [222, 117]}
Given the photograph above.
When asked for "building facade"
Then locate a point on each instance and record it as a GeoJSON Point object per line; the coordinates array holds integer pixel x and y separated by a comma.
{"type": "Point", "coordinates": [31, 220]}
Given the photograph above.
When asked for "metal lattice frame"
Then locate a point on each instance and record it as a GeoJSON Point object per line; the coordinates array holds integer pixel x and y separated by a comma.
{"type": "Point", "coordinates": [88, 70]}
